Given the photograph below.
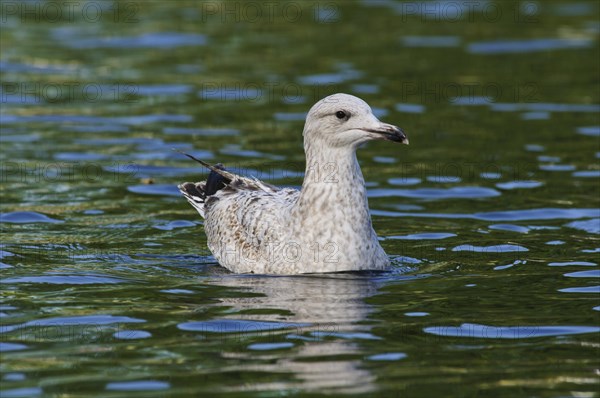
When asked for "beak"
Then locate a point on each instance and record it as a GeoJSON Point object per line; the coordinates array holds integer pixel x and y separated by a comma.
{"type": "Point", "coordinates": [389, 132]}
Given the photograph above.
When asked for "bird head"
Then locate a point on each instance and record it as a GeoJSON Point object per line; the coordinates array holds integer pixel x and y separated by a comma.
{"type": "Point", "coordinates": [345, 120]}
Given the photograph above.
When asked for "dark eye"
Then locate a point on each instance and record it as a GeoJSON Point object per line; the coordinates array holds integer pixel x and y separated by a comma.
{"type": "Point", "coordinates": [341, 115]}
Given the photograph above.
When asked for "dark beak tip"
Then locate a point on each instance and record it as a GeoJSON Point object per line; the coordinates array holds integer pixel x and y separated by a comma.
{"type": "Point", "coordinates": [390, 133]}
{"type": "Point", "coordinates": [400, 136]}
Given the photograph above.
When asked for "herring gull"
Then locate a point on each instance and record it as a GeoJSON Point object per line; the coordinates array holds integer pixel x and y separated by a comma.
{"type": "Point", "coordinates": [255, 227]}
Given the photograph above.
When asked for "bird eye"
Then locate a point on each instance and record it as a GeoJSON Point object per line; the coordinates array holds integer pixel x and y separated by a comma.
{"type": "Point", "coordinates": [341, 115]}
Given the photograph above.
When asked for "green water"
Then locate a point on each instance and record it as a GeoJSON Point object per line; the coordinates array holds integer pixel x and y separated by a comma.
{"type": "Point", "coordinates": [491, 215]}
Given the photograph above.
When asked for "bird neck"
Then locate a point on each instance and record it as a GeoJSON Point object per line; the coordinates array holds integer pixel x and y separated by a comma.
{"type": "Point", "coordinates": [334, 187]}
{"type": "Point", "coordinates": [334, 167]}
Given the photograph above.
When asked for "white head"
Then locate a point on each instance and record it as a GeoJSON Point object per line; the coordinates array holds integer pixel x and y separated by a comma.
{"type": "Point", "coordinates": [343, 120]}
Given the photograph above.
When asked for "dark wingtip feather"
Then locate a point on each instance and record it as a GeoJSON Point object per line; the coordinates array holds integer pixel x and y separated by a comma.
{"type": "Point", "coordinates": [193, 190]}
{"type": "Point", "coordinates": [215, 181]}
{"type": "Point", "coordinates": [202, 162]}
{"type": "Point", "coordinates": [219, 170]}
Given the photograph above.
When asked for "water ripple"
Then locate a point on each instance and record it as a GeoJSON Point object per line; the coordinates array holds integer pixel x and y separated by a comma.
{"type": "Point", "coordinates": [510, 227]}
{"type": "Point", "coordinates": [568, 263]}
{"type": "Point", "coordinates": [595, 273]}
{"type": "Point", "coordinates": [6, 347]}
{"type": "Point", "coordinates": [14, 376]}
{"type": "Point", "coordinates": [26, 217]}
{"type": "Point", "coordinates": [175, 224]}
{"type": "Point", "coordinates": [99, 121]}
{"type": "Point", "coordinates": [584, 289]}
{"type": "Point", "coordinates": [519, 184]}
{"type": "Point", "coordinates": [330, 78]}
{"type": "Point", "coordinates": [444, 179]}
{"type": "Point", "coordinates": [416, 314]}
{"type": "Point", "coordinates": [25, 392]}
{"type": "Point", "coordinates": [593, 131]}
{"type": "Point", "coordinates": [289, 116]}
{"type": "Point", "coordinates": [269, 346]}
{"type": "Point", "coordinates": [231, 94]}
{"type": "Point", "coordinates": [64, 279]}
{"type": "Point", "coordinates": [388, 356]}
{"type": "Point", "coordinates": [209, 132]}
{"type": "Point", "coordinates": [587, 174]}
{"type": "Point", "coordinates": [365, 88]}
{"type": "Point", "coordinates": [236, 326]}
{"type": "Point", "coordinates": [526, 46]}
{"type": "Point", "coordinates": [557, 167]}
{"type": "Point", "coordinates": [163, 89]}
{"type": "Point", "coordinates": [159, 40]}
{"type": "Point", "coordinates": [429, 235]}
{"type": "Point", "coordinates": [72, 320]}
{"type": "Point", "coordinates": [592, 226]}
{"type": "Point", "coordinates": [472, 330]}
{"type": "Point", "coordinates": [410, 108]}
{"type": "Point", "coordinates": [346, 335]}
{"type": "Point", "coordinates": [138, 385]}
{"type": "Point", "coordinates": [490, 249]}
{"type": "Point", "coordinates": [435, 193]}
{"type": "Point", "coordinates": [404, 181]}
{"type": "Point", "coordinates": [132, 334]}
{"type": "Point", "coordinates": [506, 266]}
{"type": "Point", "coordinates": [509, 215]}
{"type": "Point", "coordinates": [431, 41]}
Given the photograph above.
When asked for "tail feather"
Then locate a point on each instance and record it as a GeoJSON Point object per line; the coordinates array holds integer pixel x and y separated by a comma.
{"type": "Point", "coordinates": [216, 181]}
{"type": "Point", "coordinates": [217, 168]}
{"type": "Point", "coordinates": [197, 193]}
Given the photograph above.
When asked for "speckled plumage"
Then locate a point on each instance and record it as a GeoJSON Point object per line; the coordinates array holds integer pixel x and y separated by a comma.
{"type": "Point", "coordinates": [254, 227]}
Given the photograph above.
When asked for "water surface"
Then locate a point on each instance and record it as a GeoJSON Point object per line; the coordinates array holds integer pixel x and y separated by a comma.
{"type": "Point", "coordinates": [491, 216]}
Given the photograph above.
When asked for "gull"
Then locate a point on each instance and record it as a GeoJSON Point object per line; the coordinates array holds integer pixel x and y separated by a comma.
{"type": "Point", "coordinates": [255, 227]}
